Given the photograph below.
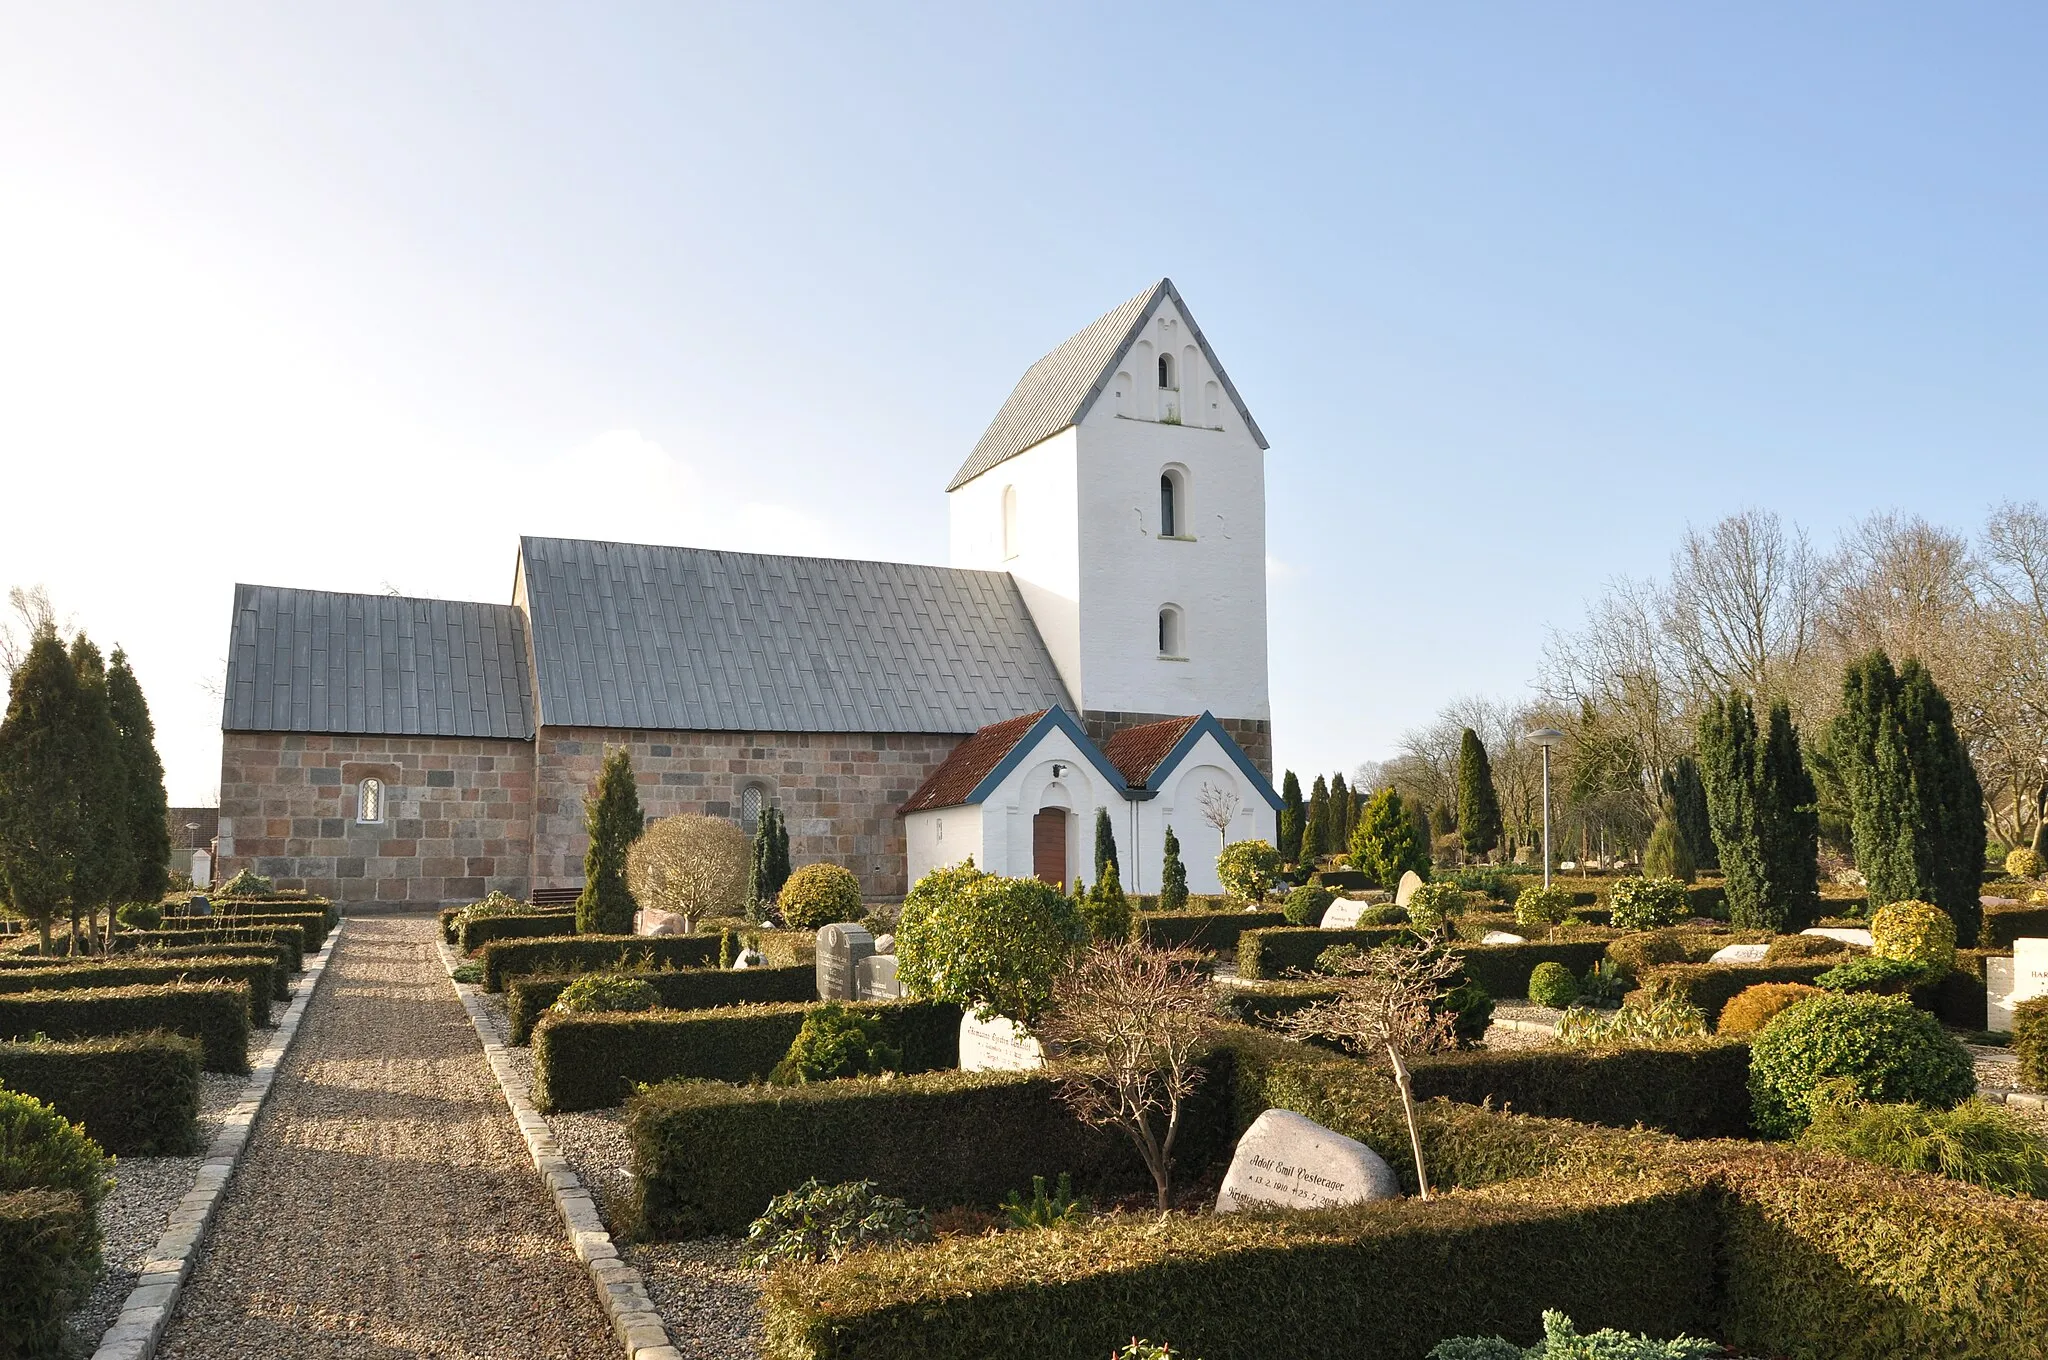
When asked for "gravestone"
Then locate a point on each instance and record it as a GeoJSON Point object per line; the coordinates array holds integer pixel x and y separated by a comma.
{"type": "Point", "coordinates": [202, 869]}
{"type": "Point", "coordinates": [841, 947]}
{"type": "Point", "coordinates": [1288, 1161]}
{"type": "Point", "coordinates": [885, 943]}
{"type": "Point", "coordinates": [1741, 954]}
{"type": "Point", "coordinates": [749, 958]}
{"type": "Point", "coordinates": [1502, 937]}
{"type": "Point", "coordinates": [657, 923]}
{"type": "Point", "coordinates": [874, 979]}
{"type": "Point", "coordinates": [1343, 914]}
{"type": "Point", "coordinates": [1411, 883]}
{"type": "Point", "coordinates": [997, 1044]}
{"type": "Point", "coordinates": [1846, 934]}
{"type": "Point", "coordinates": [2027, 979]}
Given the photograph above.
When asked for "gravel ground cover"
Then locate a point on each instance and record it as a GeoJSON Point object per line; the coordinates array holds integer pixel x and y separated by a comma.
{"type": "Point", "coordinates": [386, 1207]}
{"type": "Point", "coordinates": [709, 1302]}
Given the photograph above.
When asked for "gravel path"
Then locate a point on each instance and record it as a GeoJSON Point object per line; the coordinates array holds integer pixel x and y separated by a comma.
{"type": "Point", "coordinates": [386, 1208]}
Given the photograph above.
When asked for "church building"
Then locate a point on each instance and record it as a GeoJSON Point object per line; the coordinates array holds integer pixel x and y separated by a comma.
{"type": "Point", "coordinates": [1099, 641]}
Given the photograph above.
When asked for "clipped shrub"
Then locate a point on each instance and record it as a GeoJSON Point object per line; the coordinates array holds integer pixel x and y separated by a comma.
{"type": "Point", "coordinates": [835, 1042]}
{"type": "Point", "coordinates": [491, 904]}
{"type": "Point", "coordinates": [1436, 902]}
{"type": "Point", "coordinates": [246, 883]}
{"type": "Point", "coordinates": [503, 960]}
{"type": "Point", "coordinates": [214, 1013]}
{"type": "Point", "coordinates": [990, 943]}
{"type": "Point", "coordinates": [1711, 986]}
{"type": "Point", "coordinates": [42, 1150]}
{"type": "Point", "coordinates": [1918, 932]}
{"type": "Point", "coordinates": [1637, 954]}
{"type": "Point", "coordinates": [680, 989]}
{"type": "Point", "coordinates": [49, 1253]}
{"type": "Point", "coordinates": [1884, 1049]}
{"type": "Point", "coordinates": [1802, 948]}
{"type": "Point", "coordinates": [1755, 1007]}
{"type": "Point", "coordinates": [1648, 903]}
{"type": "Point", "coordinates": [140, 916]}
{"type": "Point", "coordinates": [1654, 1022]}
{"type": "Point", "coordinates": [2030, 1041]}
{"type": "Point", "coordinates": [1106, 910]}
{"type": "Point", "coordinates": [1217, 932]}
{"type": "Point", "coordinates": [471, 973]}
{"type": "Point", "coordinates": [816, 1222]}
{"type": "Point", "coordinates": [1562, 1341]}
{"type": "Point", "coordinates": [136, 1095]}
{"type": "Point", "coordinates": [1976, 1142]}
{"type": "Point", "coordinates": [595, 993]}
{"type": "Point", "coordinates": [470, 936]}
{"type": "Point", "coordinates": [1383, 914]}
{"type": "Point", "coordinates": [1471, 1011]}
{"type": "Point", "coordinates": [1246, 869]}
{"type": "Point", "coordinates": [138, 970]}
{"type": "Point", "coordinates": [1306, 904]}
{"type": "Point", "coordinates": [290, 939]}
{"type": "Point", "coordinates": [1690, 1087]}
{"type": "Point", "coordinates": [1541, 906]}
{"type": "Point", "coordinates": [2025, 863]}
{"type": "Point", "coordinates": [818, 895]}
{"type": "Point", "coordinates": [1871, 973]}
{"type": "Point", "coordinates": [1667, 855]}
{"type": "Point", "coordinates": [1552, 984]}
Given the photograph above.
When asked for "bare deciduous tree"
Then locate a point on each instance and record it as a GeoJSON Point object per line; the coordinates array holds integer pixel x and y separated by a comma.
{"type": "Point", "coordinates": [1386, 1001]}
{"type": "Point", "coordinates": [1740, 605]}
{"type": "Point", "coordinates": [1219, 807]}
{"type": "Point", "coordinates": [1131, 1020]}
{"type": "Point", "coordinates": [34, 616]}
{"type": "Point", "coordinates": [693, 866]}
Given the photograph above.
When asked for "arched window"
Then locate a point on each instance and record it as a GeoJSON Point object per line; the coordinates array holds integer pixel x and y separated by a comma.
{"type": "Point", "coordinates": [1172, 633]}
{"type": "Point", "coordinates": [1168, 521]}
{"type": "Point", "coordinates": [370, 801]}
{"type": "Point", "coordinates": [1166, 372]}
{"type": "Point", "coordinates": [752, 799]}
{"type": "Point", "coordinates": [1009, 522]}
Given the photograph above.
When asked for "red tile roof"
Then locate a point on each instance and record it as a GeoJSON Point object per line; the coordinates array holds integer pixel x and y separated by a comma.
{"type": "Point", "coordinates": [1137, 751]}
{"type": "Point", "coordinates": [971, 762]}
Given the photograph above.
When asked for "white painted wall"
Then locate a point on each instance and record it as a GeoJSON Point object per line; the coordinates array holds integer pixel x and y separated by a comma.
{"type": "Point", "coordinates": [938, 837]}
{"type": "Point", "coordinates": [1178, 804]}
{"type": "Point", "coordinates": [1047, 561]}
{"type": "Point", "coordinates": [1007, 812]}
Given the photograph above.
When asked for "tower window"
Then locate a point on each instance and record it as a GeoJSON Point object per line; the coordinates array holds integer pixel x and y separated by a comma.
{"type": "Point", "coordinates": [1166, 379]}
{"type": "Point", "coordinates": [1173, 503]}
{"type": "Point", "coordinates": [1167, 521]}
{"type": "Point", "coordinates": [1009, 522]}
{"type": "Point", "coordinates": [1172, 641]}
{"type": "Point", "coordinates": [370, 801]}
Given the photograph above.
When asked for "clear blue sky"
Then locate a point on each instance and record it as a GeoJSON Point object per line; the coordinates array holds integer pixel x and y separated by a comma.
{"type": "Point", "coordinates": [338, 296]}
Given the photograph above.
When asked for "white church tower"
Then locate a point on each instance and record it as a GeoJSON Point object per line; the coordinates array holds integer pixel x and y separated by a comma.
{"type": "Point", "coordinates": [1123, 486]}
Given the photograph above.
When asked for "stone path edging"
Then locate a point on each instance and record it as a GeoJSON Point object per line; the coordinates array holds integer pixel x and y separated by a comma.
{"type": "Point", "coordinates": [147, 1309]}
{"type": "Point", "coordinates": [620, 1289]}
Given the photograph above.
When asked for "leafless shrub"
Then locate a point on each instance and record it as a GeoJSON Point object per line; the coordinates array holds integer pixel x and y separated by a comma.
{"type": "Point", "coordinates": [693, 866]}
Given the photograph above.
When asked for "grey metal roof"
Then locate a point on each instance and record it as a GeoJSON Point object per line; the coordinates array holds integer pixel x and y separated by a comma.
{"type": "Point", "coordinates": [1059, 389]}
{"type": "Point", "coordinates": [319, 661]}
{"type": "Point", "coordinates": [693, 639]}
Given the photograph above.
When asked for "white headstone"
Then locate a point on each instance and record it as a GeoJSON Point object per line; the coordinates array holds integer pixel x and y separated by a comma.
{"type": "Point", "coordinates": [1998, 998]}
{"type": "Point", "coordinates": [1502, 937]}
{"type": "Point", "coordinates": [1741, 954]}
{"type": "Point", "coordinates": [1288, 1161]}
{"type": "Point", "coordinates": [1846, 934]}
{"type": "Point", "coordinates": [1343, 914]}
{"type": "Point", "coordinates": [874, 979]}
{"type": "Point", "coordinates": [840, 948]}
{"type": "Point", "coordinates": [202, 870]}
{"type": "Point", "coordinates": [749, 958]}
{"type": "Point", "coordinates": [998, 1044]}
{"type": "Point", "coordinates": [657, 923]}
{"type": "Point", "coordinates": [885, 943]}
{"type": "Point", "coordinates": [2029, 976]}
{"type": "Point", "coordinates": [1998, 901]}
{"type": "Point", "coordinates": [1410, 883]}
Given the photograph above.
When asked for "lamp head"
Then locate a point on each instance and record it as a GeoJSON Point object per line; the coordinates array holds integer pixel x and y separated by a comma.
{"type": "Point", "coordinates": [1546, 737]}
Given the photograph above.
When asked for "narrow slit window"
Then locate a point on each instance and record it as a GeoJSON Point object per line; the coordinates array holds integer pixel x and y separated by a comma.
{"type": "Point", "coordinates": [1169, 521]}
{"type": "Point", "coordinates": [1171, 641]}
{"type": "Point", "coordinates": [1166, 379]}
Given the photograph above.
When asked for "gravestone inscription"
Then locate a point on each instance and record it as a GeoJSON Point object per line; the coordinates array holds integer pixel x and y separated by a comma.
{"type": "Point", "coordinates": [874, 979]}
{"type": "Point", "coordinates": [997, 1044]}
{"type": "Point", "coordinates": [2027, 979]}
{"type": "Point", "coordinates": [1343, 914]}
{"type": "Point", "coordinates": [841, 947]}
{"type": "Point", "coordinates": [1288, 1161]}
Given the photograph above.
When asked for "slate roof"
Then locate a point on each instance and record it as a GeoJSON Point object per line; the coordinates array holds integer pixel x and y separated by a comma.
{"type": "Point", "coordinates": [692, 639]}
{"type": "Point", "coordinates": [1137, 751]}
{"type": "Point", "coordinates": [971, 762]}
{"type": "Point", "coordinates": [320, 661]}
{"type": "Point", "coordinates": [1060, 389]}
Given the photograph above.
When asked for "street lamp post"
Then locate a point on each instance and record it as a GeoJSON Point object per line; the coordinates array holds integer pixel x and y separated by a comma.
{"type": "Point", "coordinates": [1545, 737]}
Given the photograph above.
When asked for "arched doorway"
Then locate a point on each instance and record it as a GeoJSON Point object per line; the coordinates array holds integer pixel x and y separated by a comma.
{"type": "Point", "coordinates": [1049, 846]}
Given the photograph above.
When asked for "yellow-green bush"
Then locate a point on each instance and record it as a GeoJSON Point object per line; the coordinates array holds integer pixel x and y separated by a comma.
{"type": "Point", "coordinates": [818, 895]}
{"type": "Point", "coordinates": [1753, 1007]}
{"type": "Point", "coordinates": [2025, 863]}
{"type": "Point", "coordinates": [1917, 932]}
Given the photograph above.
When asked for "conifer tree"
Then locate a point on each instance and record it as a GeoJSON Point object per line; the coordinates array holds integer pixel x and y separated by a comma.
{"type": "Point", "coordinates": [1339, 832]}
{"type": "Point", "coordinates": [42, 831]}
{"type": "Point", "coordinates": [1383, 844]}
{"type": "Point", "coordinates": [1292, 812]}
{"type": "Point", "coordinates": [1916, 809]}
{"type": "Point", "coordinates": [1105, 845]}
{"type": "Point", "coordinates": [1315, 827]}
{"type": "Point", "coordinates": [149, 823]}
{"type": "Point", "coordinates": [761, 887]}
{"type": "Point", "coordinates": [106, 860]}
{"type": "Point", "coordinates": [1667, 855]}
{"type": "Point", "coordinates": [614, 821]}
{"type": "Point", "coordinates": [778, 864]}
{"type": "Point", "coordinates": [1478, 802]}
{"type": "Point", "coordinates": [1173, 876]}
{"type": "Point", "coordinates": [1686, 797]}
{"type": "Point", "coordinates": [1760, 803]}
{"type": "Point", "coordinates": [1419, 814]}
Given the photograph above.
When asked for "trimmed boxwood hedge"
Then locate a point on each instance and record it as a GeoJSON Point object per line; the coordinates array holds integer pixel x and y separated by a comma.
{"type": "Point", "coordinates": [48, 1249]}
{"type": "Point", "coordinates": [1710, 986]}
{"type": "Point", "coordinates": [136, 1094]}
{"type": "Point", "coordinates": [2003, 925]}
{"type": "Point", "coordinates": [1274, 952]}
{"type": "Point", "coordinates": [474, 935]}
{"type": "Point", "coordinates": [1961, 996]}
{"type": "Point", "coordinates": [592, 1061]}
{"type": "Point", "coordinates": [214, 1013]}
{"type": "Point", "coordinates": [681, 989]}
{"type": "Point", "coordinates": [503, 960]}
{"type": "Point", "coordinates": [291, 938]}
{"type": "Point", "coordinates": [1690, 1089]}
{"type": "Point", "coordinates": [1216, 931]}
{"type": "Point", "coordinates": [1503, 969]}
{"type": "Point", "coordinates": [135, 970]}
{"type": "Point", "coordinates": [314, 923]}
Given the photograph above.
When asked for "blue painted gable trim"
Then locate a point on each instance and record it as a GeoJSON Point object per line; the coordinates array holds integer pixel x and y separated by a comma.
{"type": "Point", "coordinates": [1207, 724]}
{"type": "Point", "coordinates": [1059, 718]}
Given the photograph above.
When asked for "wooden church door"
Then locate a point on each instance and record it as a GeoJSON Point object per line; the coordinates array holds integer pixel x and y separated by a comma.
{"type": "Point", "coordinates": [1049, 846]}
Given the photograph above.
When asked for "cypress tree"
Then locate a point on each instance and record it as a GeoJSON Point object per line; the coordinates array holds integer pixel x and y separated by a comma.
{"type": "Point", "coordinates": [42, 830]}
{"type": "Point", "coordinates": [614, 821]}
{"type": "Point", "coordinates": [1478, 802]}
{"type": "Point", "coordinates": [1315, 827]}
{"type": "Point", "coordinates": [1339, 831]}
{"type": "Point", "coordinates": [1916, 809]}
{"type": "Point", "coordinates": [1667, 855]}
{"type": "Point", "coordinates": [149, 820]}
{"type": "Point", "coordinates": [1760, 805]}
{"type": "Point", "coordinates": [106, 861]}
{"type": "Point", "coordinates": [760, 861]}
{"type": "Point", "coordinates": [1173, 876]}
{"type": "Point", "coordinates": [1686, 797]}
{"type": "Point", "coordinates": [1420, 814]}
{"type": "Point", "coordinates": [1105, 846]}
{"type": "Point", "coordinates": [1292, 811]}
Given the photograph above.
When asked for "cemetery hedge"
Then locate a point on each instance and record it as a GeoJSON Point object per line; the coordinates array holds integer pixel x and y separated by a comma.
{"type": "Point", "coordinates": [787, 948]}
{"type": "Point", "coordinates": [1710, 986]}
{"type": "Point", "coordinates": [1960, 997]}
{"type": "Point", "coordinates": [593, 1061]}
{"type": "Point", "coordinates": [313, 923]}
{"type": "Point", "coordinates": [133, 971]}
{"type": "Point", "coordinates": [1502, 969]}
{"type": "Point", "coordinates": [2003, 925]}
{"type": "Point", "coordinates": [474, 935]}
{"type": "Point", "coordinates": [214, 1013]}
{"type": "Point", "coordinates": [1696, 1088]}
{"type": "Point", "coordinates": [136, 1094]}
{"type": "Point", "coordinates": [1276, 951]}
{"type": "Point", "coordinates": [292, 939]}
{"type": "Point", "coordinates": [527, 998]}
{"type": "Point", "coordinates": [506, 959]}
{"type": "Point", "coordinates": [1216, 931]}
{"type": "Point", "coordinates": [278, 956]}
{"type": "Point", "coordinates": [48, 1249]}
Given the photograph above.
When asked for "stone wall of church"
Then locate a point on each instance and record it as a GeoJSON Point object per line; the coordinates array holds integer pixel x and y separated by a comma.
{"type": "Point", "coordinates": [1254, 735]}
{"type": "Point", "coordinates": [838, 792]}
{"type": "Point", "coordinates": [457, 819]}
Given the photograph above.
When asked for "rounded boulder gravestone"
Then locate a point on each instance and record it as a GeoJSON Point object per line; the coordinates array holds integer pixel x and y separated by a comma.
{"type": "Point", "coordinates": [1343, 914]}
{"type": "Point", "coordinates": [1411, 883]}
{"type": "Point", "coordinates": [1288, 1161]}
{"type": "Point", "coordinates": [1741, 954]}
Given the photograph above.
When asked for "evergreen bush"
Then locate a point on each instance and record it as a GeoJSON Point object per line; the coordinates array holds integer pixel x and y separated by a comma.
{"type": "Point", "coordinates": [1919, 933]}
{"type": "Point", "coordinates": [1106, 910]}
{"type": "Point", "coordinates": [1552, 985]}
{"type": "Point", "coordinates": [988, 943]}
{"type": "Point", "coordinates": [1648, 903]}
{"type": "Point", "coordinates": [836, 1042]}
{"type": "Point", "coordinates": [1686, 795]}
{"type": "Point", "coordinates": [1246, 869]}
{"type": "Point", "coordinates": [136, 1095]}
{"type": "Point", "coordinates": [1667, 855]}
{"type": "Point", "coordinates": [613, 820]}
{"type": "Point", "coordinates": [2025, 863]}
{"type": "Point", "coordinates": [49, 1256]}
{"type": "Point", "coordinates": [1173, 876]}
{"type": "Point", "coordinates": [1436, 902]}
{"type": "Point", "coordinates": [1383, 844]}
{"type": "Point", "coordinates": [1540, 906]}
{"type": "Point", "coordinates": [1976, 1142]}
{"type": "Point", "coordinates": [1871, 973]}
{"type": "Point", "coordinates": [596, 992]}
{"type": "Point", "coordinates": [1478, 805]}
{"type": "Point", "coordinates": [1754, 1007]}
{"type": "Point", "coordinates": [1804, 949]}
{"type": "Point", "coordinates": [1293, 815]}
{"type": "Point", "coordinates": [1761, 799]}
{"type": "Point", "coordinates": [1884, 1049]}
{"type": "Point", "coordinates": [1306, 905]}
{"type": "Point", "coordinates": [819, 895]}
{"type": "Point", "coordinates": [816, 1222]}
